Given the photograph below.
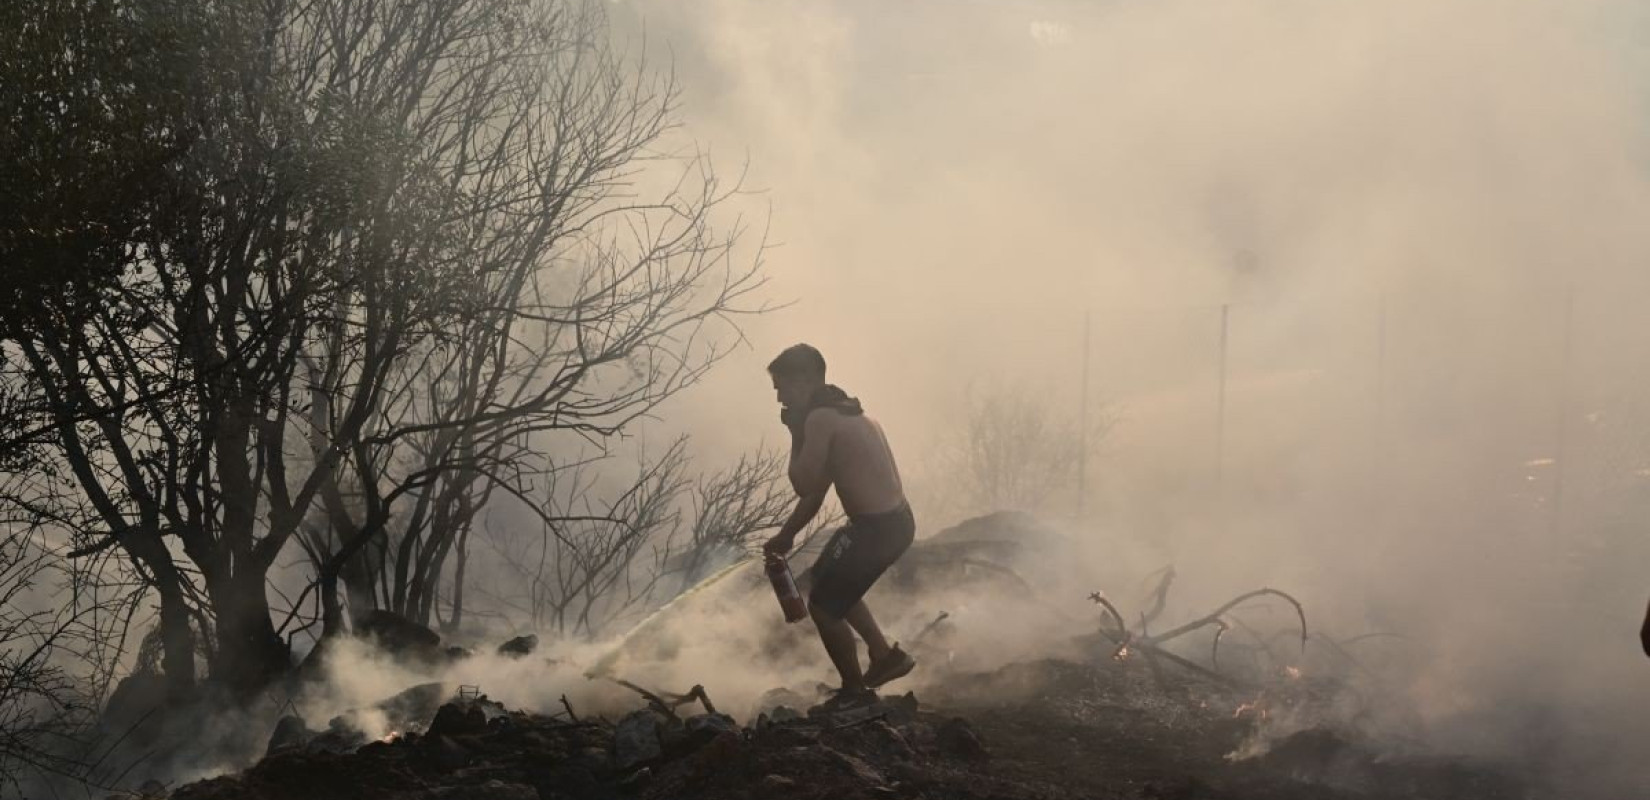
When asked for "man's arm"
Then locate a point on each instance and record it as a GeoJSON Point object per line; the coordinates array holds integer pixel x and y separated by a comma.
{"type": "Point", "coordinates": [810, 464]}
{"type": "Point", "coordinates": [807, 506]}
{"type": "Point", "coordinates": [1644, 632]}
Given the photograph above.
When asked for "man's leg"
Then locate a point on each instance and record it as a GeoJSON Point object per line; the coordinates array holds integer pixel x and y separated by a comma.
{"type": "Point", "coordinates": [839, 645]}
{"type": "Point", "coordinates": [876, 645]}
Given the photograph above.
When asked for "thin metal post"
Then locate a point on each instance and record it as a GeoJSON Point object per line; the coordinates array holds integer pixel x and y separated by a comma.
{"type": "Point", "coordinates": [1380, 370]}
{"type": "Point", "coordinates": [1556, 523]}
{"type": "Point", "coordinates": [1083, 428]}
{"type": "Point", "coordinates": [1220, 410]}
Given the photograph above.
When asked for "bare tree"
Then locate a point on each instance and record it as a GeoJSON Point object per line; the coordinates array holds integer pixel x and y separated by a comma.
{"type": "Point", "coordinates": [731, 510]}
{"type": "Point", "coordinates": [598, 553]}
{"type": "Point", "coordinates": [583, 308]}
{"type": "Point", "coordinates": [403, 240]}
{"type": "Point", "coordinates": [1013, 450]}
{"type": "Point", "coordinates": [62, 630]}
{"type": "Point", "coordinates": [596, 562]}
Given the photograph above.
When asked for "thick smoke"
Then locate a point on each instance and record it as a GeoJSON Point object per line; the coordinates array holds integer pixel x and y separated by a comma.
{"type": "Point", "coordinates": [1421, 219]}
{"type": "Point", "coordinates": [1408, 233]}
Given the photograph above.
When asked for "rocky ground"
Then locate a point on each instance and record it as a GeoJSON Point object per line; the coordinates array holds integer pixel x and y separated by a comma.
{"type": "Point", "coordinates": [1067, 728]}
{"type": "Point", "coordinates": [1102, 715]}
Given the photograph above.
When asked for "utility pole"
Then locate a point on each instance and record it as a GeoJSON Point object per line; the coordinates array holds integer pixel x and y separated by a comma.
{"type": "Point", "coordinates": [1083, 428]}
{"type": "Point", "coordinates": [1556, 523]}
{"type": "Point", "coordinates": [1220, 410]}
{"type": "Point", "coordinates": [1380, 369]}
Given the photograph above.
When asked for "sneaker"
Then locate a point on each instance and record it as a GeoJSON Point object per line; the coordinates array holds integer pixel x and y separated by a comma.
{"type": "Point", "coordinates": [893, 665]}
{"type": "Point", "coordinates": [844, 700]}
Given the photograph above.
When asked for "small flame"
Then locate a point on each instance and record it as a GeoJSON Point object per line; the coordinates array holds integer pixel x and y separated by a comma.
{"type": "Point", "coordinates": [1122, 653]}
{"type": "Point", "coordinates": [1258, 706]}
{"type": "Point", "coordinates": [1294, 673]}
{"type": "Point", "coordinates": [390, 737]}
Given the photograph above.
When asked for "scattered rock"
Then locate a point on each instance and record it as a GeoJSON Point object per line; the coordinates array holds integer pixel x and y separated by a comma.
{"type": "Point", "coordinates": [901, 709]}
{"type": "Point", "coordinates": [290, 733]}
{"type": "Point", "coordinates": [651, 755]}
{"type": "Point", "coordinates": [709, 725]}
{"type": "Point", "coordinates": [716, 756]}
{"type": "Point", "coordinates": [343, 735]}
{"type": "Point", "coordinates": [400, 636]}
{"type": "Point", "coordinates": [889, 740]}
{"type": "Point", "coordinates": [594, 758]}
{"type": "Point", "coordinates": [637, 778]}
{"type": "Point", "coordinates": [636, 739]}
{"type": "Point", "coordinates": [1178, 789]}
{"type": "Point", "coordinates": [491, 790]}
{"type": "Point", "coordinates": [453, 720]}
{"type": "Point", "coordinates": [413, 706]}
{"type": "Point", "coordinates": [856, 768]}
{"type": "Point", "coordinates": [956, 738]}
{"type": "Point", "coordinates": [444, 753]}
{"type": "Point", "coordinates": [780, 698]}
{"type": "Point", "coordinates": [519, 646]}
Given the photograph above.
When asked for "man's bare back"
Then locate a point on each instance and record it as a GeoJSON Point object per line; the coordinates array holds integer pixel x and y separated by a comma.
{"type": "Point", "coordinates": [858, 462]}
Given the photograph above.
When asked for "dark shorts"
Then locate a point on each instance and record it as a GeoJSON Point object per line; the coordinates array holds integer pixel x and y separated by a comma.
{"type": "Point", "coordinates": [856, 556]}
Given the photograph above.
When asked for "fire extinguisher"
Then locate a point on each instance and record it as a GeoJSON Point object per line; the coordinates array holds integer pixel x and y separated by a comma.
{"type": "Point", "coordinates": [784, 588]}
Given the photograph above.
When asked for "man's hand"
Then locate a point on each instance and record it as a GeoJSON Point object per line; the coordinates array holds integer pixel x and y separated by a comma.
{"type": "Point", "coordinates": [806, 507]}
{"type": "Point", "coordinates": [779, 545]}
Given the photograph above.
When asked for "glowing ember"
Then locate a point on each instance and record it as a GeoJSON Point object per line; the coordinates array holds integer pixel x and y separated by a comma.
{"type": "Point", "coordinates": [1121, 654]}
{"type": "Point", "coordinates": [1294, 673]}
{"type": "Point", "coordinates": [1256, 707]}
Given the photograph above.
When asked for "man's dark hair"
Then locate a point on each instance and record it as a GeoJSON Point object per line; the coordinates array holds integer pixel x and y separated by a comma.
{"type": "Point", "coordinates": [798, 360]}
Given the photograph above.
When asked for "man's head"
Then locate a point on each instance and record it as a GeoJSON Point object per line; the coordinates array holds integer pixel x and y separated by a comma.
{"type": "Point", "coordinates": [796, 373]}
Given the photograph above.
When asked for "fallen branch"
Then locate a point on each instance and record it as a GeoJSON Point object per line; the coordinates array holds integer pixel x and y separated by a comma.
{"type": "Point", "coordinates": [1146, 646]}
{"type": "Point", "coordinates": [929, 628]}
{"type": "Point", "coordinates": [1123, 637]}
{"type": "Point", "coordinates": [698, 693]}
{"type": "Point", "coordinates": [1160, 596]}
{"type": "Point", "coordinates": [1151, 660]}
{"type": "Point", "coordinates": [667, 703]}
{"type": "Point", "coordinates": [1214, 653]}
{"type": "Point", "coordinates": [1265, 645]}
{"type": "Point", "coordinates": [654, 701]}
{"type": "Point", "coordinates": [1215, 617]}
{"type": "Point", "coordinates": [1191, 665]}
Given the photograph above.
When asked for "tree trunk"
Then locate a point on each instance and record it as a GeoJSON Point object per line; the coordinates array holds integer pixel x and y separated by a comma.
{"type": "Point", "coordinates": [357, 574]}
{"type": "Point", "coordinates": [458, 578]}
{"type": "Point", "coordinates": [332, 613]}
{"type": "Point", "coordinates": [177, 645]}
{"type": "Point", "coordinates": [176, 638]}
{"type": "Point", "coordinates": [251, 653]}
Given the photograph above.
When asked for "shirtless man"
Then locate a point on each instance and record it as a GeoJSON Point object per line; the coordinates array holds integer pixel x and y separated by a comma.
{"type": "Point", "coordinates": [834, 443]}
